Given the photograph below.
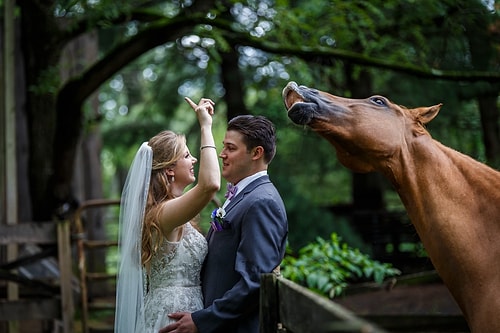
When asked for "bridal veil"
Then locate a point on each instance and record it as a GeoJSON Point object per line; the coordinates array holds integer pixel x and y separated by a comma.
{"type": "Point", "coordinates": [129, 315]}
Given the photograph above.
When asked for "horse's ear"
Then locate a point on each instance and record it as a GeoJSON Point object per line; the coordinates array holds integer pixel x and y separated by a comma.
{"type": "Point", "coordinates": [426, 114]}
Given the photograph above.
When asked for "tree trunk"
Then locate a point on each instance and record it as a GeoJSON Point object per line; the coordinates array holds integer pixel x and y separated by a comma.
{"type": "Point", "coordinates": [367, 189]}
{"type": "Point", "coordinates": [233, 84]}
{"type": "Point", "coordinates": [484, 56]}
{"type": "Point", "coordinates": [232, 80]}
{"type": "Point", "coordinates": [41, 56]}
{"type": "Point", "coordinates": [86, 173]}
{"type": "Point", "coordinates": [491, 132]}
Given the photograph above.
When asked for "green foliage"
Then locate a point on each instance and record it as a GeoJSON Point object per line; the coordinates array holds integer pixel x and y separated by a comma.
{"type": "Point", "coordinates": [327, 267]}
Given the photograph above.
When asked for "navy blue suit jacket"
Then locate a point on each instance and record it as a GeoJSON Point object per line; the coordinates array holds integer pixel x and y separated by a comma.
{"type": "Point", "coordinates": [254, 243]}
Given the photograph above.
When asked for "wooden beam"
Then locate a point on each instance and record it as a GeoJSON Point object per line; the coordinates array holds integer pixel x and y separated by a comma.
{"type": "Point", "coordinates": [39, 309]}
{"type": "Point", "coordinates": [420, 323]}
{"type": "Point", "coordinates": [31, 233]}
{"type": "Point", "coordinates": [9, 67]}
{"type": "Point", "coordinates": [65, 276]}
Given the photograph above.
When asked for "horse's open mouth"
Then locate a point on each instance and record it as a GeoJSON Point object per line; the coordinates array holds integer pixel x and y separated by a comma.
{"type": "Point", "coordinates": [300, 110]}
{"type": "Point", "coordinates": [291, 95]}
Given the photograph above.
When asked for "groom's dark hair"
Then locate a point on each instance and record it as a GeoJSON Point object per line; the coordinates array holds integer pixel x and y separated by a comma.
{"type": "Point", "coordinates": [256, 131]}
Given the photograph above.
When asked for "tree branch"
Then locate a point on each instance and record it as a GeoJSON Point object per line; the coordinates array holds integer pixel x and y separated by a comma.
{"type": "Point", "coordinates": [308, 53]}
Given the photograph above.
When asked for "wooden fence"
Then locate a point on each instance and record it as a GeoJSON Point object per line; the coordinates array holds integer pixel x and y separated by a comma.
{"type": "Point", "coordinates": [288, 307]}
{"type": "Point", "coordinates": [57, 305]}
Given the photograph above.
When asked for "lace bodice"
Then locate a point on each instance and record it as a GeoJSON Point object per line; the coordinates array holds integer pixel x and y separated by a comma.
{"type": "Point", "coordinates": [174, 280]}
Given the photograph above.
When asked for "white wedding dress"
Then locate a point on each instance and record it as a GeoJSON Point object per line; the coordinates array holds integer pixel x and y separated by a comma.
{"type": "Point", "coordinates": [174, 280]}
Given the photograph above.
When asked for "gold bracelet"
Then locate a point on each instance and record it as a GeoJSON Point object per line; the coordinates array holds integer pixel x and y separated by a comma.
{"type": "Point", "coordinates": [207, 146]}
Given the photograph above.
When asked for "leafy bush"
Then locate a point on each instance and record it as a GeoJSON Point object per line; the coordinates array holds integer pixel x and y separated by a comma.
{"type": "Point", "coordinates": [327, 267]}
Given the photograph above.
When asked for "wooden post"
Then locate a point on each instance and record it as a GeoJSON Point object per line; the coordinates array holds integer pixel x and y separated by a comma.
{"type": "Point", "coordinates": [64, 255]}
{"type": "Point", "coordinates": [10, 141]}
{"type": "Point", "coordinates": [269, 311]}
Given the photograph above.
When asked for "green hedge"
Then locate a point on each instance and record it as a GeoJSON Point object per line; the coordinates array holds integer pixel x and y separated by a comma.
{"type": "Point", "coordinates": [327, 267]}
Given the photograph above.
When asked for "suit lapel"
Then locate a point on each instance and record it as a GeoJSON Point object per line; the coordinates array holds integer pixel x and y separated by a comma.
{"type": "Point", "coordinates": [249, 188]}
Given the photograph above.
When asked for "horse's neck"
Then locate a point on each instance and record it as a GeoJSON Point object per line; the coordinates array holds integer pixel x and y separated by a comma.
{"type": "Point", "coordinates": [437, 183]}
{"type": "Point", "coordinates": [452, 200]}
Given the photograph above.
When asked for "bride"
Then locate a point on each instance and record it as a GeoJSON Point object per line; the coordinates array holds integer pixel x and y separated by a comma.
{"type": "Point", "coordinates": [161, 249]}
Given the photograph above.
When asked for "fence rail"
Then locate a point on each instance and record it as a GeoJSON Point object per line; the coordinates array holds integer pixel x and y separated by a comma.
{"type": "Point", "coordinates": [288, 307]}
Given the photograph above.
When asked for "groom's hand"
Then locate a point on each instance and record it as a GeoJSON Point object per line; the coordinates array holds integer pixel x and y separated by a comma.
{"type": "Point", "coordinates": [184, 324]}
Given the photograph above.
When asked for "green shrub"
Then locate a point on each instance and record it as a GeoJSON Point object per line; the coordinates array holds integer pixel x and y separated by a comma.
{"type": "Point", "coordinates": [327, 267]}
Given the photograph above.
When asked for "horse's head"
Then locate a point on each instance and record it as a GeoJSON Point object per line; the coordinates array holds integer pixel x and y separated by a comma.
{"type": "Point", "coordinates": [364, 132]}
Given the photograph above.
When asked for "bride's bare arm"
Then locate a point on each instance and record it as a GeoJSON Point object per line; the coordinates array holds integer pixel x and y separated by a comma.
{"type": "Point", "coordinates": [176, 212]}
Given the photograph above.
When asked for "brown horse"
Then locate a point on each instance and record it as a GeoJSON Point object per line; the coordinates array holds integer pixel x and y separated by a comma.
{"type": "Point", "coordinates": [452, 200]}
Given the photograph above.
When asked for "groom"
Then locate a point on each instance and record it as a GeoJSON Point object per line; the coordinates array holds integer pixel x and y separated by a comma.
{"type": "Point", "coordinates": [252, 241]}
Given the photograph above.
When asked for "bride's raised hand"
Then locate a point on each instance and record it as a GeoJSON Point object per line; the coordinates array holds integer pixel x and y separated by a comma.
{"type": "Point", "coordinates": [204, 110]}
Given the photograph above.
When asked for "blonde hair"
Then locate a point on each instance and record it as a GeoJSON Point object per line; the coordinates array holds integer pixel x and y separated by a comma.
{"type": "Point", "coordinates": [168, 147]}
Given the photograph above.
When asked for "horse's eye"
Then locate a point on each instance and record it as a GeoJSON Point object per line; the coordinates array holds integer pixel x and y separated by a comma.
{"type": "Point", "coordinates": [378, 101]}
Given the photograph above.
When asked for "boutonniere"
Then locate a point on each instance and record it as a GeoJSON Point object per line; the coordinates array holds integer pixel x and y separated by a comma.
{"type": "Point", "coordinates": [217, 221]}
